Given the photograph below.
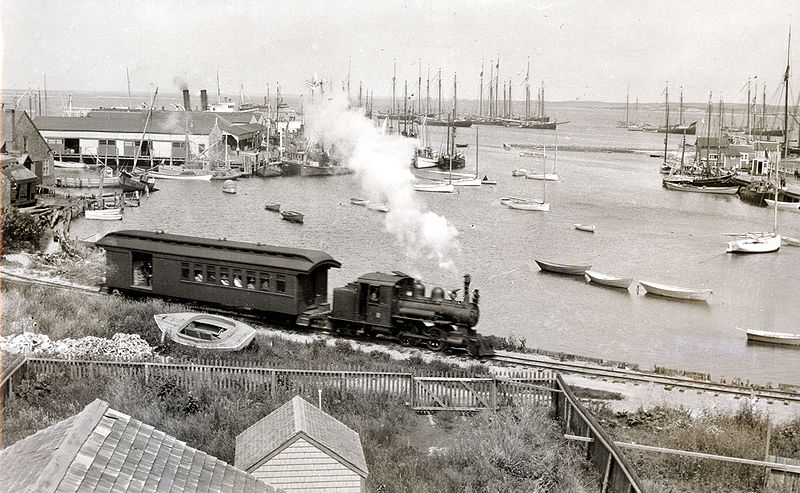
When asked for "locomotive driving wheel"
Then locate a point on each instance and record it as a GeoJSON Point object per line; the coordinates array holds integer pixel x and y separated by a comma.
{"type": "Point", "coordinates": [435, 343]}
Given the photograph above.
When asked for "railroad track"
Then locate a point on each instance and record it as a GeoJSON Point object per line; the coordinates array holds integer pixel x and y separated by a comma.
{"type": "Point", "coordinates": [639, 376]}
{"type": "Point", "coordinates": [515, 358]}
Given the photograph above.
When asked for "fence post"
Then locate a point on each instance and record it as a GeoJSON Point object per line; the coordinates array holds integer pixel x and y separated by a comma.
{"type": "Point", "coordinates": [494, 394]}
{"type": "Point", "coordinates": [146, 373]}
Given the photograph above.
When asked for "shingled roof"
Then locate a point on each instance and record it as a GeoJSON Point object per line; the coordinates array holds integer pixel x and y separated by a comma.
{"type": "Point", "coordinates": [100, 449]}
{"type": "Point", "coordinates": [298, 418]}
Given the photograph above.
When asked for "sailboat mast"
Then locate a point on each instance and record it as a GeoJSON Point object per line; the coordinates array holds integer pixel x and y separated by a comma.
{"type": "Point", "coordinates": [419, 88]}
{"type": "Point", "coordinates": [480, 90]}
{"type": "Point", "coordinates": [218, 93]}
{"type": "Point", "coordinates": [127, 78]}
{"type": "Point", "coordinates": [680, 111]}
{"type": "Point", "coordinates": [786, 99]}
{"type": "Point", "coordinates": [666, 127]}
{"type": "Point", "coordinates": [394, 82]}
{"type": "Point", "coordinates": [708, 132]}
{"type": "Point", "coordinates": [528, 91]}
{"type": "Point", "coordinates": [627, 106]}
{"type": "Point", "coordinates": [439, 114]}
{"type": "Point", "coordinates": [748, 107]}
{"type": "Point", "coordinates": [428, 93]}
{"type": "Point", "coordinates": [497, 86]}
{"type": "Point", "coordinates": [476, 152]}
{"type": "Point", "coordinates": [405, 109]}
{"type": "Point", "coordinates": [764, 107]}
{"type": "Point", "coordinates": [719, 132]}
{"type": "Point", "coordinates": [455, 97]}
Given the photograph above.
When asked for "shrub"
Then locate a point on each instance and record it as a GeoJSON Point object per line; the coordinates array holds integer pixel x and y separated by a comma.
{"type": "Point", "coordinates": [20, 231]}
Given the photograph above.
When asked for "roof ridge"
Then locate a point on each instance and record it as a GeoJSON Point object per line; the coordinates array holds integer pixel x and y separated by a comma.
{"type": "Point", "coordinates": [85, 422]}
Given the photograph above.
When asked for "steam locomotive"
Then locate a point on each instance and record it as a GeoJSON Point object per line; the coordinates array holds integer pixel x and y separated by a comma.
{"type": "Point", "coordinates": [291, 284]}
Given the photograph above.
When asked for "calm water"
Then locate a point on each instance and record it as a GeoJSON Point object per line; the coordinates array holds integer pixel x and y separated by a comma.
{"type": "Point", "coordinates": [643, 231]}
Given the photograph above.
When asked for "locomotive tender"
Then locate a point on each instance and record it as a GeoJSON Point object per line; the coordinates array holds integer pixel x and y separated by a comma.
{"type": "Point", "coordinates": [290, 284]}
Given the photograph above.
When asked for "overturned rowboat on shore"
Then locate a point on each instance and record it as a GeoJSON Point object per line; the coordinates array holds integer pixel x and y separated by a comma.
{"type": "Point", "coordinates": [205, 331]}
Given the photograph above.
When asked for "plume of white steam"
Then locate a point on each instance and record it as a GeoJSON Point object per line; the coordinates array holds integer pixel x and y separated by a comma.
{"type": "Point", "coordinates": [381, 163]}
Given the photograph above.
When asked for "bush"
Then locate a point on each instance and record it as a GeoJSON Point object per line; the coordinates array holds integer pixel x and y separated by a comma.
{"type": "Point", "coordinates": [20, 231]}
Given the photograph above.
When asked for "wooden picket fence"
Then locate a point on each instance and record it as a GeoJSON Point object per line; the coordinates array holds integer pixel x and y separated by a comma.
{"type": "Point", "coordinates": [422, 393]}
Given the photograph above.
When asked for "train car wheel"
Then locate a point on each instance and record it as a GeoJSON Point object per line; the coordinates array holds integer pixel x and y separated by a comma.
{"type": "Point", "coordinates": [405, 341]}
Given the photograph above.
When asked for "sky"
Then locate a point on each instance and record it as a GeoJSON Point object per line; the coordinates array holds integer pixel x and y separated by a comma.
{"type": "Point", "coordinates": [580, 50]}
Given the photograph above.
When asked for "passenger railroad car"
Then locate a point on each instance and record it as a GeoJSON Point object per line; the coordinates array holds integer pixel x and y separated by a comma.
{"type": "Point", "coordinates": [285, 281]}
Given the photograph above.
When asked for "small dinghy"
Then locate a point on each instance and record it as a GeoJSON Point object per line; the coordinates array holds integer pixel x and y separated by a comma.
{"type": "Point", "coordinates": [356, 201]}
{"type": "Point", "coordinates": [229, 186]}
{"type": "Point", "coordinates": [589, 228]}
{"type": "Point", "coordinates": [530, 205]}
{"type": "Point", "coordinates": [486, 181]}
{"type": "Point", "coordinates": [378, 206]}
{"type": "Point", "coordinates": [568, 269]}
{"type": "Point", "coordinates": [676, 291]}
{"type": "Point", "coordinates": [271, 206]}
{"type": "Point", "coordinates": [519, 172]}
{"type": "Point", "coordinates": [292, 216]}
{"type": "Point", "coordinates": [606, 280]}
{"type": "Point", "coordinates": [773, 337]}
{"type": "Point", "coordinates": [438, 186]}
{"type": "Point", "coordinates": [204, 331]}
{"type": "Point", "coordinates": [788, 240]}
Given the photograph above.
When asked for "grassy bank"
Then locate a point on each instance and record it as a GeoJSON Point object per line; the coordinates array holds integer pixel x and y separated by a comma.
{"type": "Point", "coordinates": [743, 435]}
{"type": "Point", "coordinates": [519, 449]}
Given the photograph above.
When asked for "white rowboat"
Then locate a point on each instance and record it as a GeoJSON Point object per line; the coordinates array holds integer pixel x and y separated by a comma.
{"type": "Point", "coordinates": [201, 330]}
{"type": "Point", "coordinates": [606, 280]}
{"type": "Point", "coordinates": [773, 337]}
{"type": "Point", "coordinates": [676, 291]}
{"type": "Point", "coordinates": [104, 214]}
{"type": "Point", "coordinates": [589, 228]}
{"type": "Point", "coordinates": [542, 176]}
{"type": "Point", "coordinates": [789, 206]}
{"type": "Point", "coordinates": [788, 240]}
{"type": "Point", "coordinates": [530, 206]}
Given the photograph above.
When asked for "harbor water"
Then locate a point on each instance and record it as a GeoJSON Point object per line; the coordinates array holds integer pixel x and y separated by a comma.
{"type": "Point", "coordinates": [643, 231]}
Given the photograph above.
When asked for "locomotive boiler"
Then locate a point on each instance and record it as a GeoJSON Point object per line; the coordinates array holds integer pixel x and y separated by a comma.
{"type": "Point", "coordinates": [397, 305]}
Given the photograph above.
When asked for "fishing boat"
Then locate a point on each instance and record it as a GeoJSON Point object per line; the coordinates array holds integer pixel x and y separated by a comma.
{"type": "Point", "coordinates": [269, 169]}
{"type": "Point", "coordinates": [568, 269]}
{"type": "Point", "coordinates": [378, 206]}
{"type": "Point", "coordinates": [780, 204]}
{"type": "Point", "coordinates": [688, 187]}
{"type": "Point", "coordinates": [589, 228]}
{"type": "Point", "coordinates": [425, 156]}
{"type": "Point", "coordinates": [136, 181]}
{"type": "Point", "coordinates": [357, 201]}
{"type": "Point", "coordinates": [292, 216]}
{"type": "Point", "coordinates": [104, 214]}
{"type": "Point", "coordinates": [229, 186]}
{"type": "Point", "coordinates": [167, 172]}
{"type": "Point", "coordinates": [519, 172]}
{"type": "Point", "coordinates": [68, 165]}
{"type": "Point", "coordinates": [607, 280]}
{"type": "Point", "coordinates": [436, 186]}
{"type": "Point", "coordinates": [205, 331]}
{"type": "Point", "coordinates": [676, 291]}
{"type": "Point", "coordinates": [272, 206]}
{"type": "Point", "coordinates": [773, 337]}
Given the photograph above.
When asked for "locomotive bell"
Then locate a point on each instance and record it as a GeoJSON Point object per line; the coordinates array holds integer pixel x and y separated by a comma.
{"type": "Point", "coordinates": [419, 289]}
{"type": "Point", "coordinates": [437, 294]}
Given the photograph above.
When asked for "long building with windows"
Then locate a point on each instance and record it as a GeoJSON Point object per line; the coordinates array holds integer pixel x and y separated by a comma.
{"type": "Point", "coordinates": [169, 137]}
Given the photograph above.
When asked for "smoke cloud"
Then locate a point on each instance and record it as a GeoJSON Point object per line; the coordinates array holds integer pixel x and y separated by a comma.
{"type": "Point", "coordinates": [381, 163]}
{"type": "Point", "coordinates": [178, 81]}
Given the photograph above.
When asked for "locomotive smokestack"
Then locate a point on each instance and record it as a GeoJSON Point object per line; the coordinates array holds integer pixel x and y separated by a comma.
{"type": "Point", "coordinates": [467, 281]}
{"type": "Point", "coordinates": [186, 102]}
{"type": "Point", "coordinates": [203, 100]}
